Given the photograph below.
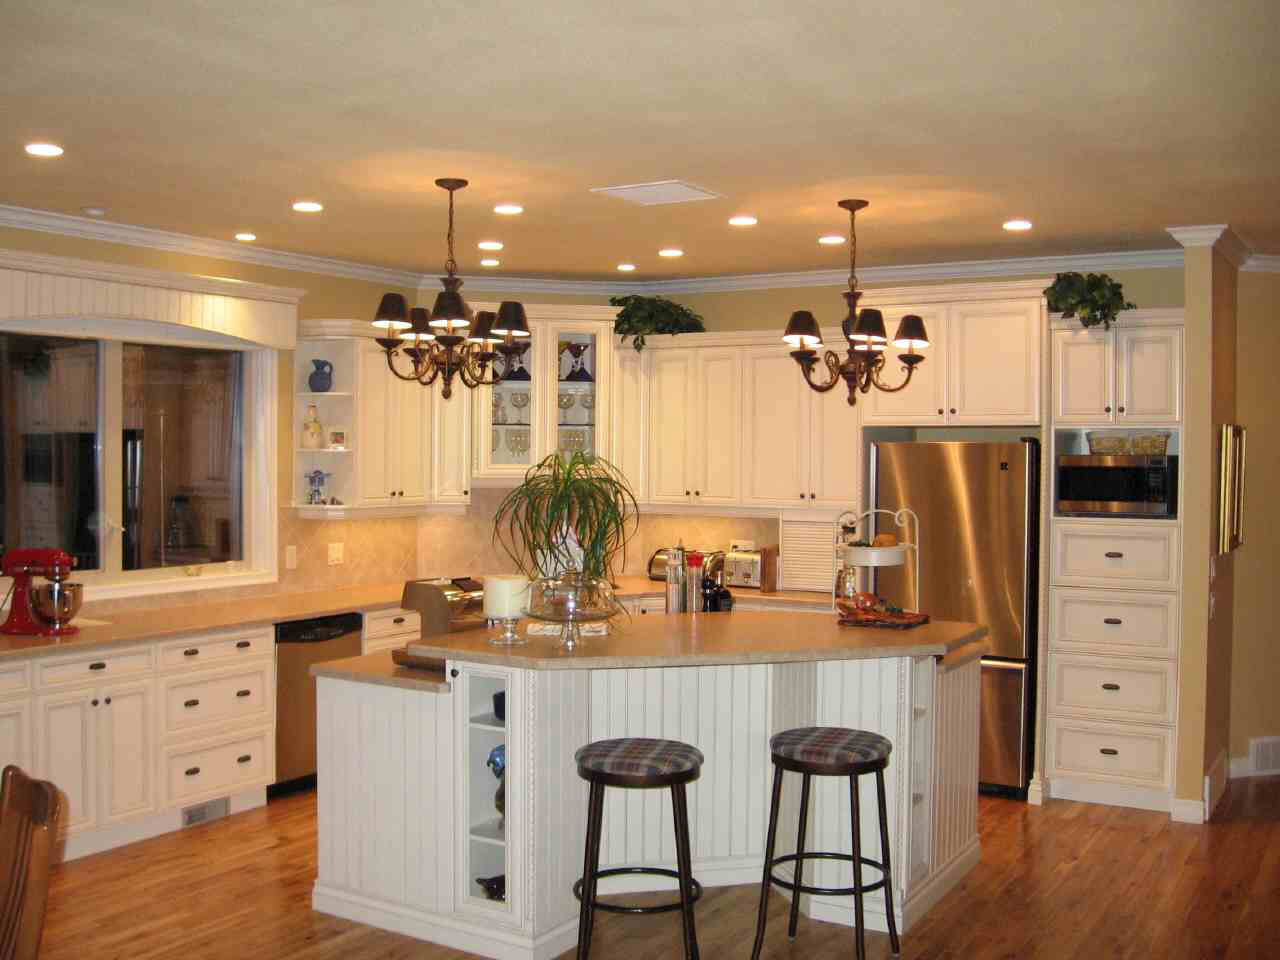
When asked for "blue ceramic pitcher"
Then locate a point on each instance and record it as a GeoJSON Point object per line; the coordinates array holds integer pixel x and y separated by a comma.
{"type": "Point", "coordinates": [321, 379]}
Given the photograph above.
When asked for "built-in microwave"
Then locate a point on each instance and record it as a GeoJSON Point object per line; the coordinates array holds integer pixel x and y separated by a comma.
{"type": "Point", "coordinates": [1121, 485]}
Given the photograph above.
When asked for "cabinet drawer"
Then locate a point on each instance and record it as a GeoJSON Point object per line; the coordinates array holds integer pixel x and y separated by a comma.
{"type": "Point", "coordinates": [93, 667]}
{"type": "Point", "coordinates": [227, 696]}
{"type": "Point", "coordinates": [15, 677]}
{"type": "Point", "coordinates": [216, 648]}
{"type": "Point", "coordinates": [1111, 688]}
{"type": "Point", "coordinates": [1110, 555]}
{"type": "Point", "coordinates": [196, 772]}
{"type": "Point", "coordinates": [1111, 622]}
{"type": "Point", "coordinates": [386, 643]}
{"type": "Point", "coordinates": [1126, 753]}
{"type": "Point", "coordinates": [391, 623]}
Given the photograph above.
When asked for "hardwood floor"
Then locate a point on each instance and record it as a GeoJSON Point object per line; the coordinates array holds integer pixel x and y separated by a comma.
{"type": "Point", "coordinates": [1064, 880]}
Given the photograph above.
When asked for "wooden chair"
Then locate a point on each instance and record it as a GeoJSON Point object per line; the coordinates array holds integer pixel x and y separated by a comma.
{"type": "Point", "coordinates": [29, 811]}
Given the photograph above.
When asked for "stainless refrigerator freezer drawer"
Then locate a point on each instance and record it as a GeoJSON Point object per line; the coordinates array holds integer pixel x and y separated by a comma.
{"type": "Point", "coordinates": [1004, 729]}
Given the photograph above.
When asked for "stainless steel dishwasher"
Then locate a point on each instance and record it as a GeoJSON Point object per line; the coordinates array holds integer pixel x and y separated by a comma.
{"type": "Point", "coordinates": [299, 644]}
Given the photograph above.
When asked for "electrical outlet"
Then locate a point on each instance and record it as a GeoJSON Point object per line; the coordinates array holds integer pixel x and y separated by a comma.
{"type": "Point", "coordinates": [291, 557]}
{"type": "Point", "coordinates": [335, 554]}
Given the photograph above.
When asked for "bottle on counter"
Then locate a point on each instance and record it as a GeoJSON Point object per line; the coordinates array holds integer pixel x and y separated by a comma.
{"type": "Point", "coordinates": [693, 581]}
{"type": "Point", "coordinates": [676, 584]}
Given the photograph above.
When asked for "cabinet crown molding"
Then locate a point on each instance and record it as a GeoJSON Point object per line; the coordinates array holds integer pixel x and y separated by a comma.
{"type": "Point", "coordinates": [1219, 236]}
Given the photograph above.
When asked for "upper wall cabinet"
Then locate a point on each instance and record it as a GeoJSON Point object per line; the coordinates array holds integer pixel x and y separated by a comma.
{"type": "Point", "coordinates": [1129, 374]}
{"type": "Point", "coordinates": [629, 422]}
{"type": "Point", "coordinates": [982, 367]}
{"type": "Point", "coordinates": [695, 426]}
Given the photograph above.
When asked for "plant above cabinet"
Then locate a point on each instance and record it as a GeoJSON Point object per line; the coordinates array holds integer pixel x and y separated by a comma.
{"type": "Point", "coordinates": [642, 316]}
{"type": "Point", "coordinates": [1094, 298]}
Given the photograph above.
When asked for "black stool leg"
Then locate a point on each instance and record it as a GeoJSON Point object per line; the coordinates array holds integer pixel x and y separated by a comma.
{"type": "Point", "coordinates": [591, 865]}
{"type": "Point", "coordinates": [884, 855]}
{"type": "Point", "coordinates": [684, 860]}
{"type": "Point", "coordinates": [767, 882]}
{"type": "Point", "coordinates": [860, 938]}
{"type": "Point", "coordinates": [799, 877]}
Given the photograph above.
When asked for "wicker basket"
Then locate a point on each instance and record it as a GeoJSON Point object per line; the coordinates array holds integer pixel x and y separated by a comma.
{"type": "Point", "coordinates": [1151, 444]}
{"type": "Point", "coordinates": [1107, 443]}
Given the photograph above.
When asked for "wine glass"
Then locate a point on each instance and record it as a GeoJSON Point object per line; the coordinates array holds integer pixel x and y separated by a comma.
{"type": "Point", "coordinates": [579, 371]}
{"type": "Point", "coordinates": [499, 411]}
{"type": "Point", "coordinates": [587, 401]}
{"type": "Point", "coordinates": [523, 441]}
{"type": "Point", "coordinates": [513, 442]}
{"type": "Point", "coordinates": [565, 402]}
{"type": "Point", "coordinates": [519, 400]}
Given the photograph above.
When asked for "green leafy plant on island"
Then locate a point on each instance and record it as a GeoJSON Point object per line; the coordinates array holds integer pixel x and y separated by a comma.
{"type": "Point", "coordinates": [1095, 298]}
{"type": "Point", "coordinates": [643, 316]}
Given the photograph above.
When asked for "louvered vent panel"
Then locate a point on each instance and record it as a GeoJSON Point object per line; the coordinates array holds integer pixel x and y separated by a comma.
{"type": "Point", "coordinates": [1265, 755]}
{"type": "Point", "coordinates": [808, 557]}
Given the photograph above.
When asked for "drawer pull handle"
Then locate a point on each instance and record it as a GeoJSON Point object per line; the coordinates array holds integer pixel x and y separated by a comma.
{"type": "Point", "coordinates": [191, 652]}
{"type": "Point", "coordinates": [1109, 752]}
{"type": "Point", "coordinates": [242, 644]}
{"type": "Point", "coordinates": [1112, 621]}
{"type": "Point", "coordinates": [192, 771]}
{"type": "Point", "coordinates": [192, 703]}
{"type": "Point", "coordinates": [1114, 554]}
{"type": "Point", "coordinates": [97, 665]}
{"type": "Point", "coordinates": [243, 758]}
{"type": "Point", "coordinates": [242, 693]}
{"type": "Point", "coordinates": [1111, 686]}
{"type": "Point", "coordinates": [398, 620]}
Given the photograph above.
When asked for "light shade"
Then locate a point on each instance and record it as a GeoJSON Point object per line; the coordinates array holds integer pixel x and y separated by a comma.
{"type": "Point", "coordinates": [420, 327]}
{"type": "Point", "coordinates": [802, 331]}
{"type": "Point", "coordinates": [870, 327]}
{"type": "Point", "coordinates": [911, 333]}
{"type": "Point", "coordinates": [391, 313]}
{"type": "Point", "coordinates": [449, 311]}
{"type": "Point", "coordinates": [511, 320]}
{"type": "Point", "coordinates": [482, 329]}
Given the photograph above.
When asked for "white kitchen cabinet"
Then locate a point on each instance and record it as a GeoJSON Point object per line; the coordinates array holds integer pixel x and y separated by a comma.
{"type": "Point", "coordinates": [1123, 375]}
{"type": "Point", "coordinates": [835, 449]}
{"type": "Point", "coordinates": [1083, 376]}
{"type": "Point", "coordinates": [75, 389]}
{"type": "Point", "coordinates": [15, 733]}
{"type": "Point", "coordinates": [629, 418]}
{"type": "Point", "coordinates": [451, 447]}
{"type": "Point", "coordinates": [67, 752]}
{"type": "Point", "coordinates": [695, 431]}
{"type": "Point", "coordinates": [672, 390]}
{"type": "Point", "coordinates": [394, 434]}
{"type": "Point", "coordinates": [924, 401]}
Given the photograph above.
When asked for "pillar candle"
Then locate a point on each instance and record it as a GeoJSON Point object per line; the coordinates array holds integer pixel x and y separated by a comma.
{"type": "Point", "coordinates": [505, 596]}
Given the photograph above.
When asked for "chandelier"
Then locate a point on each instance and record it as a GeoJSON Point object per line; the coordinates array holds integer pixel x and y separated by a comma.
{"type": "Point", "coordinates": [863, 329]}
{"type": "Point", "coordinates": [449, 341]}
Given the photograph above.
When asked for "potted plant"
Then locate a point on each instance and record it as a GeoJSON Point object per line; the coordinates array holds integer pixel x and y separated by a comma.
{"type": "Point", "coordinates": [1094, 298]}
{"type": "Point", "coordinates": [641, 316]}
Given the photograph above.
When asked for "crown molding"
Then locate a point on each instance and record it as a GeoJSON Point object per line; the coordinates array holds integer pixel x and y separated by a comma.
{"type": "Point", "coordinates": [487, 283]}
{"type": "Point", "coordinates": [89, 229]}
{"type": "Point", "coordinates": [1260, 263]}
{"type": "Point", "coordinates": [1219, 236]}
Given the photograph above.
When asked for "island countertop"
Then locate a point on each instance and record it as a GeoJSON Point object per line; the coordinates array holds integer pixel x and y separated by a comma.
{"type": "Point", "coordinates": [686, 640]}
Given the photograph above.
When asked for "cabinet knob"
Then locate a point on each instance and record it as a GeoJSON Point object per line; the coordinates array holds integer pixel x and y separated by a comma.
{"type": "Point", "coordinates": [941, 411]}
{"type": "Point", "coordinates": [466, 493]}
{"type": "Point", "coordinates": [1106, 409]}
{"type": "Point", "coordinates": [97, 665]}
{"type": "Point", "coordinates": [191, 703]}
{"type": "Point", "coordinates": [402, 493]}
{"type": "Point", "coordinates": [243, 758]}
{"type": "Point", "coordinates": [1114, 555]}
{"type": "Point", "coordinates": [802, 495]}
{"type": "Point", "coordinates": [242, 693]}
{"type": "Point", "coordinates": [1122, 409]}
{"type": "Point", "coordinates": [1109, 752]}
{"type": "Point", "coordinates": [686, 493]}
{"type": "Point", "coordinates": [1112, 621]}
{"type": "Point", "coordinates": [813, 496]}
{"type": "Point", "coordinates": [191, 652]}
{"type": "Point", "coordinates": [454, 672]}
{"type": "Point", "coordinates": [93, 702]}
{"type": "Point", "coordinates": [108, 700]}
{"type": "Point", "coordinates": [242, 644]}
{"type": "Point", "coordinates": [697, 493]}
{"type": "Point", "coordinates": [398, 620]}
{"type": "Point", "coordinates": [953, 409]}
{"type": "Point", "coordinates": [1111, 686]}
{"type": "Point", "coordinates": [192, 771]}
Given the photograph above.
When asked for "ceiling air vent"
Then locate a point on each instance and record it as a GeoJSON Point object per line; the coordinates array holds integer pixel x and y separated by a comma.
{"type": "Point", "coordinates": [653, 194]}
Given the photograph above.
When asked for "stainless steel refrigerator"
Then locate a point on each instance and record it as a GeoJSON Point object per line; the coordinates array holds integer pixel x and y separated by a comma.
{"type": "Point", "coordinates": [979, 510]}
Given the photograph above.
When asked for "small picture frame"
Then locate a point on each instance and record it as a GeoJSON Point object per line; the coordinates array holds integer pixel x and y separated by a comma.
{"type": "Point", "coordinates": [1231, 466]}
{"type": "Point", "coordinates": [337, 438]}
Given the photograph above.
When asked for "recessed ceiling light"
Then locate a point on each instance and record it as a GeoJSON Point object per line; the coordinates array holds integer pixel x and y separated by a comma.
{"type": "Point", "coordinates": [489, 262]}
{"type": "Point", "coordinates": [94, 211]}
{"type": "Point", "coordinates": [626, 267]}
{"type": "Point", "coordinates": [508, 209]}
{"type": "Point", "coordinates": [490, 244]}
{"type": "Point", "coordinates": [831, 240]}
{"type": "Point", "coordinates": [671, 252]}
{"type": "Point", "coordinates": [308, 206]}
{"type": "Point", "coordinates": [246, 237]}
{"type": "Point", "coordinates": [44, 149]}
{"type": "Point", "coordinates": [1017, 226]}
{"type": "Point", "coordinates": [743, 220]}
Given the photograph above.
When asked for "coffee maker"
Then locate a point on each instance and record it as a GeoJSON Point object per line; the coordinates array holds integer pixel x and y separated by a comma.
{"type": "Point", "coordinates": [44, 610]}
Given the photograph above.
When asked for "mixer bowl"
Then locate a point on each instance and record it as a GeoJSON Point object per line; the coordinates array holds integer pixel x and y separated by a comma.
{"type": "Point", "coordinates": [57, 602]}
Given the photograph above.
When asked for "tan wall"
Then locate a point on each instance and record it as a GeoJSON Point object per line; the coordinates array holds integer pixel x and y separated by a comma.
{"type": "Point", "coordinates": [1255, 658]}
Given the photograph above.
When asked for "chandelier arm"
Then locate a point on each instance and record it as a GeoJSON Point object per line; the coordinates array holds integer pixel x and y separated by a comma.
{"type": "Point", "coordinates": [392, 366]}
{"type": "Point", "coordinates": [832, 363]}
{"type": "Point", "coordinates": [875, 378]}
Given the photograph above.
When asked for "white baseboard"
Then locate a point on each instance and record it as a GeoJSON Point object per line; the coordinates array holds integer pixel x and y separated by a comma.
{"type": "Point", "coordinates": [480, 937]}
{"type": "Point", "coordinates": [84, 843]}
{"type": "Point", "coordinates": [1215, 784]}
{"type": "Point", "coordinates": [1113, 794]}
{"type": "Point", "coordinates": [1241, 767]}
{"type": "Point", "coordinates": [1186, 811]}
{"type": "Point", "coordinates": [1037, 790]}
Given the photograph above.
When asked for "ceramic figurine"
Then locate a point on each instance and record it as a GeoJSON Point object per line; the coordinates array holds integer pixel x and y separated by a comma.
{"type": "Point", "coordinates": [497, 762]}
{"type": "Point", "coordinates": [316, 479]}
{"type": "Point", "coordinates": [312, 430]}
{"type": "Point", "coordinates": [321, 379]}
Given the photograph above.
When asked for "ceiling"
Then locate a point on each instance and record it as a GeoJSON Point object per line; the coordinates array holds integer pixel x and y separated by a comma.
{"type": "Point", "coordinates": [1101, 122]}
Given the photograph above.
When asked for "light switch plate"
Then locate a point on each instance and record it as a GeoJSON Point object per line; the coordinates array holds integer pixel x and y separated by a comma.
{"type": "Point", "coordinates": [335, 554]}
{"type": "Point", "coordinates": [291, 557]}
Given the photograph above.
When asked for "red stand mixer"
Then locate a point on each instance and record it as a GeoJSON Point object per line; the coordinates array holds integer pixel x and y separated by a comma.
{"type": "Point", "coordinates": [46, 610]}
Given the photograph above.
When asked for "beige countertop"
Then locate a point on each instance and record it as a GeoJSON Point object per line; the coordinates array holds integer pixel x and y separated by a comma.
{"type": "Point", "coordinates": [682, 640]}
{"type": "Point", "coordinates": [632, 587]}
{"type": "Point", "coordinates": [378, 668]}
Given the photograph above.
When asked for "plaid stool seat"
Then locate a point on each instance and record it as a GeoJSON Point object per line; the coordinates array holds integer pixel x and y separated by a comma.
{"type": "Point", "coordinates": [639, 761]}
{"type": "Point", "coordinates": [830, 748]}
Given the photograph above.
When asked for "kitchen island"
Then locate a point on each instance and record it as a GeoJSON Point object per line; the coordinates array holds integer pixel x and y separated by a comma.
{"type": "Point", "coordinates": [407, 822]}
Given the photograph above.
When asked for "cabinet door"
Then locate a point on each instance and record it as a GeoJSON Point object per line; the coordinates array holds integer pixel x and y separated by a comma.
{"type": "Point", "coordinates": [511, 418]}
{"type": "Point", "coordinates": [670, 426]}
{"type": "Point", "coordinates": [775, 432]}
{"type": "Point", "coordinates": [66, 752]}
{"type": "Point", "coordinates": [76, 389]}
{"type": "Point", "coordinates": [126, 751]}
{"type": "Point", "coordinates": [451, 447]}
{"type": "Point", "coordinates": [1083, 380]}
{"type": "Point", "coordinates": [1149, 374]}
{"type": "Point", "coordinates": [717, 452]}
{"type": "Point", "coordinates": [15, 734]}
{"type": "Point", "coordinates": [628, 418]}
{"type": "Point", "coordinates": [993, 362]}
{"type": "Point", "coordinates": [376, 410]}
{"type": "Point", "coordinates": [923, 402]}
{"type": "Point", "coordinates": [835, 450]}
{"type": "Point", "coordinates": [408, 435]}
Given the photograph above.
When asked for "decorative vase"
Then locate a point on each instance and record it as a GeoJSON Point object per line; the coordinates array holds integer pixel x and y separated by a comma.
{"type": "Point", "coordinates": [497, 762]}
{"type": "Point", "coordinates": [321, 379]}
{"type": "Point", "coordinates": [312, 430]}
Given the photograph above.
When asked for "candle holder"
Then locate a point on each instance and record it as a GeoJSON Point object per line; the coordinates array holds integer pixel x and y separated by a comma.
{"type": "Point", "coordinates": [510, 636]}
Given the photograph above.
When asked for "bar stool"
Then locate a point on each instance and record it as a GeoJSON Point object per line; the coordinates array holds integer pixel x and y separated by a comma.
{"type": "Point", "coordinates": [637, 763]}
{"type": "Point", "coordinates": [828, 752]}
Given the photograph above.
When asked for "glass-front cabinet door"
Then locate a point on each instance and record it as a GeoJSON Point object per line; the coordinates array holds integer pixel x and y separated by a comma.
{"type": "Point", "coordinates": [506, 414]}
{"type": "Point", "coordinates": [574, 418]}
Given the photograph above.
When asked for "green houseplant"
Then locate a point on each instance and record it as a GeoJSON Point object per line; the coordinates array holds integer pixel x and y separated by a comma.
{"type": "Point", "coordinates": [1094, 298]}
{"type": "Point", "coordinates": [642, 316]}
